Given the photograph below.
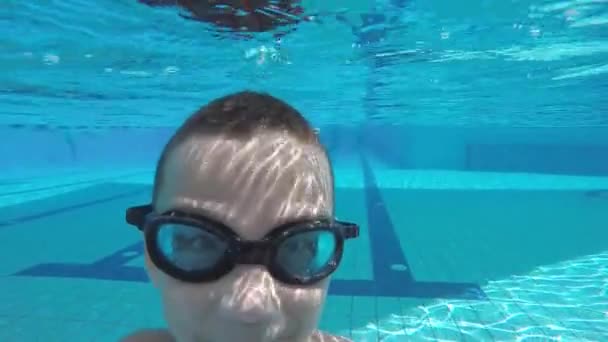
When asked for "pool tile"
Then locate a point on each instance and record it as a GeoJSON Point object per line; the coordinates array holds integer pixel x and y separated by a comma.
{"type": "Point", "coordinates": [440, 318]}
{"type": "Point", "coordinates": [364, 329]}
{"type": "Point", "coordinates": [364, 307]}
{"type": "Point", "coordinates": [390, 327]}
{"type": "Point", "coordinates": [387, 306]}
{"type": "Point", "coordinates": [336, 323]}
{"type": "Point", "coordinates": [469, 321]}
{"type": "Point", "coordinates": [416, 320]}
{"type": "Point", "coordinates": [339, 305]}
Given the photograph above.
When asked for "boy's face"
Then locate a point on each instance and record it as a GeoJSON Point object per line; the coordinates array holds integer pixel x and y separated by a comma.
{"type": "Point", "coordinates": [252, 187]}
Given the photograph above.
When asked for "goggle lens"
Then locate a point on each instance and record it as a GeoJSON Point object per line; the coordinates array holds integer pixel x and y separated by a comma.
{"type": "Point", "coordinates": [190, 248]}
{"type": "Point", "coordinates": [306, 254]}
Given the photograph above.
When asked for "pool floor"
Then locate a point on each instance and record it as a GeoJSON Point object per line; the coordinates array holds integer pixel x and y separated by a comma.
{"type": "Point", "coordinates": [442, 257]}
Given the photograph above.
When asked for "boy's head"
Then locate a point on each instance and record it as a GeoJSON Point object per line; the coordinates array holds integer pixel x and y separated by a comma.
{"type": "Point", "coordinates": [244, 238]}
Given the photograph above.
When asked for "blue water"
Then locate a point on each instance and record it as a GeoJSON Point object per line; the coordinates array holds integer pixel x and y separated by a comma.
{"type": "Point", "coordinates": [469, 140]}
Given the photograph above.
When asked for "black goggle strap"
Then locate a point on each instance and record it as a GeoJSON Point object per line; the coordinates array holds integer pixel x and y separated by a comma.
{"type": "Point", "coordinates": [349, 230]}
{"type": "Point", "coordinates": [136, 216]}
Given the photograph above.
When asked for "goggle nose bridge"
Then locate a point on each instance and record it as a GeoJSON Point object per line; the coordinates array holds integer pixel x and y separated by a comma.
{"type": "Point", "coordinates": [252, 253]}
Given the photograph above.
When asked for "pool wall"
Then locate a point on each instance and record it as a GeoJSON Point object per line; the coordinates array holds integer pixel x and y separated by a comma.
{"type": "Point", "coordinates": [36, 147]}
{"type": "Point", "coordinates": [575, 151]}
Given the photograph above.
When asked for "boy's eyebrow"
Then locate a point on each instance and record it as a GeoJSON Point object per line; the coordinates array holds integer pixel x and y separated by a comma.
{"type": "Point", "coordinates": [187, 205]}
{"type": "Point", "coordinates": [198, 210]}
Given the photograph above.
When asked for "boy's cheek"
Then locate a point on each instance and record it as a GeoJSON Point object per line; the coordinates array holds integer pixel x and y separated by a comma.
{"type": "Point", "coordinates": [206, 297]}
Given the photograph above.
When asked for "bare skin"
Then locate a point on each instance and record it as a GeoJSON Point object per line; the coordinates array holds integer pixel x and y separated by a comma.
{"type": "Point", "coordinates": [251, 186]}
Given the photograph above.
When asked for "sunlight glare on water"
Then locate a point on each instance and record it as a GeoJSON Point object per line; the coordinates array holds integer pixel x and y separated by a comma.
{"type": "Point", "coordinates": [518, 63]}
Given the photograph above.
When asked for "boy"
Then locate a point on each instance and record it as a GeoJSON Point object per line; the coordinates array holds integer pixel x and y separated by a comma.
{"type": "Point", "coordinates": [240, 236]}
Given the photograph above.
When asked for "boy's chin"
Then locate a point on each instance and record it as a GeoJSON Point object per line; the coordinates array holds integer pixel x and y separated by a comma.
{"type": "Point", "coordinates": [239, 332]}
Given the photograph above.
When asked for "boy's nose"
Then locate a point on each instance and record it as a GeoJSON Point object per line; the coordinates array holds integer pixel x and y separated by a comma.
{"type": "Point", "coordinates": [252, 299]}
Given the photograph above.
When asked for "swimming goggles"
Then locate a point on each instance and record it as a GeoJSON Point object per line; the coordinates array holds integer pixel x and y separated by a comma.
{"type": "Point", "coordinates": [196, 249]}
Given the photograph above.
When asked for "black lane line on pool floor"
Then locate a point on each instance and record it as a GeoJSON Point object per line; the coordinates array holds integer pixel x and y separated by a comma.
{"type": "Point", "coordinates": [66, 209]}
{"type": "Point", "coordinates": [93, 182]}
{"type": "Point", "coordinates": [387, 251]}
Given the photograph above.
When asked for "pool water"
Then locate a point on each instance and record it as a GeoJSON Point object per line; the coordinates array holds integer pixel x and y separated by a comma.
{"type": "Point", "coordinates": [469, 142]}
